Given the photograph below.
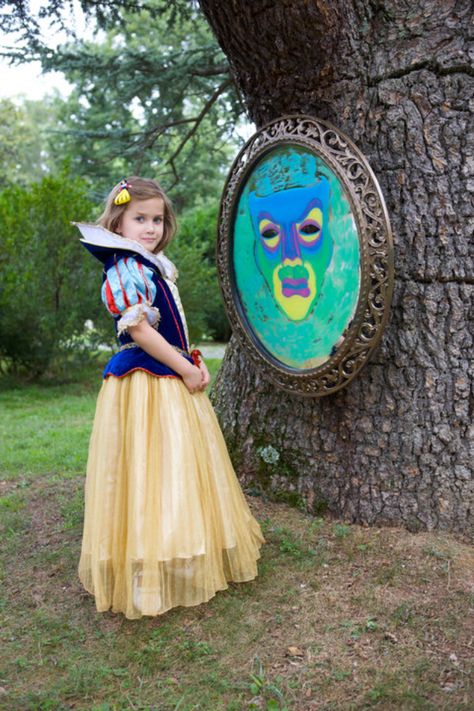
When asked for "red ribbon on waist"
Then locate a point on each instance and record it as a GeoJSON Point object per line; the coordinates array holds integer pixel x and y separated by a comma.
{"type": "Point", "coordinates": [196, 356]}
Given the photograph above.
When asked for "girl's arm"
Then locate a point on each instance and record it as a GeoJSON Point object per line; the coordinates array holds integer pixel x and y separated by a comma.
{"type": "Point", "coordinates": [158, 347]}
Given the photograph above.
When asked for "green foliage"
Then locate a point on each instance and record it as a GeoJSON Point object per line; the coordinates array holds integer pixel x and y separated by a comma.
{"type": "Point", "coordinates": [152, 93]}
{"type": "Point", "coordinates": [267, 694]}
{"type": "Point", "coordinates": [193, 253]}
{"type": "Point", "coordinates": [341, 530]}
{"type": "Point", "coordinates": [16, 15]}
{"type": "Point", "coordinates": [25, 144]}
{"type": "Point", "coordinates": [49, 285]}
{"type": "Point", "coordinates": [151, 97]}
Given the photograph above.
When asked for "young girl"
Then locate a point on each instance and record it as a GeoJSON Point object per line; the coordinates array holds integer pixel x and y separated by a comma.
{"type": "Point", "coordinates": [166, 522]}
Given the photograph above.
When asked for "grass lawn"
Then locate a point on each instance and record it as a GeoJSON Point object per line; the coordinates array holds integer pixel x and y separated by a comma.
{"type": "Point", "coordinates": [341, 617]}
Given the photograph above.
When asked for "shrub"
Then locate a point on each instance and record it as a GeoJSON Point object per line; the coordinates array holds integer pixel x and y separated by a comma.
{"type": "Point", "coordinates": [193, 252]}
{"type": "Point", "coordinates": [49, 285]}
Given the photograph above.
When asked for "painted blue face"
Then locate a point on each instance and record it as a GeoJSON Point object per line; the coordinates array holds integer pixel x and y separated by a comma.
{"type": "Point", "coordinates": [293, 246]}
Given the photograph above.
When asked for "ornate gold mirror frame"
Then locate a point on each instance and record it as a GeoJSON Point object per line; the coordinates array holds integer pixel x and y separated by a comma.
{"type": "Point", "coordinates": [305, 255]}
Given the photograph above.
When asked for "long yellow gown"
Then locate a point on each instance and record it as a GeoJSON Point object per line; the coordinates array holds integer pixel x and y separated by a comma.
{"type": "Point", "coordinates": [166, 522]}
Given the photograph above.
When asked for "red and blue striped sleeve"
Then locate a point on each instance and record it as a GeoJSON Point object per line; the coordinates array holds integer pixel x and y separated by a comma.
{"type": "Point", "coordinates": [129, 291]}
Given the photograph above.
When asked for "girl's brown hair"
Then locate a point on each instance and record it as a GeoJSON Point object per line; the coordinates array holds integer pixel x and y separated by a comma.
{"type": "Point", "coordinates": [139, 189]}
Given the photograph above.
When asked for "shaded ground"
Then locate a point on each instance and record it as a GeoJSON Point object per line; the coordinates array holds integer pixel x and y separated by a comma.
{"type": "Point", "coordinates": [341, 617]}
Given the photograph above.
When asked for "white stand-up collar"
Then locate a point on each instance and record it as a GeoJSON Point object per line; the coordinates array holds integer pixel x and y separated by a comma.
{"type": "Point", "coordinates": [100, 237]}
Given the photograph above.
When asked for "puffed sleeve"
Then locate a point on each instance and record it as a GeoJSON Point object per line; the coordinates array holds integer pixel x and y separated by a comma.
{"type": "Point", "coordinates": [128, 291]}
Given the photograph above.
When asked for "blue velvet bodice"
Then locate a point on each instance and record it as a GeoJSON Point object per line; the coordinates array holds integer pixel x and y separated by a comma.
{"type": "Point", "coordinates": [130, 356]}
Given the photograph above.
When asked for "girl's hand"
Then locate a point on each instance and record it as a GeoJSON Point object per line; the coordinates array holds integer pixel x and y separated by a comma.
{"type": "Point", "coordinates": [205, 377]}
{"type": "Point", "coordinates": [192, 378]}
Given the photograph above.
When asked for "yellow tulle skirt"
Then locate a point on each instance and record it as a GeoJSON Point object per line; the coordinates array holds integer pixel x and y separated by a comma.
{"type": "Point", "coordinates": [166, 522]}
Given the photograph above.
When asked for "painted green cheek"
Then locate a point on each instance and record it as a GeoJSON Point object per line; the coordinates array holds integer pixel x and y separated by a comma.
{"type": "Point", "coordinates": [265, 264]}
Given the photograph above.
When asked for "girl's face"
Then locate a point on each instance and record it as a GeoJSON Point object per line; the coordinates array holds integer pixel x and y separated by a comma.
{"type": "Point", "coordinates": [143, 221]}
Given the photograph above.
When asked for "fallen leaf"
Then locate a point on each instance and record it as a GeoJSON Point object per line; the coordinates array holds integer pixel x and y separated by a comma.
{"type": "Point", "coordinates": [295, 652]}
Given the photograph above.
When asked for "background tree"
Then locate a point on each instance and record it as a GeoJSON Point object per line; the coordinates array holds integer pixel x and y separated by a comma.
{"type": "Point", "coordinates": [152, 95]}
{"type": "Point", "coordinates": [394, 446]}
{"type": "Point", "coordinates": [26, 151]}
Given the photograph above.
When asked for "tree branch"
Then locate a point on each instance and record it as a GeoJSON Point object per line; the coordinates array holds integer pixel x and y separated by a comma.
{"type": "Point", "coordinates": [211, 71]}
{"type": "Point", "coordinates": [198, 120]}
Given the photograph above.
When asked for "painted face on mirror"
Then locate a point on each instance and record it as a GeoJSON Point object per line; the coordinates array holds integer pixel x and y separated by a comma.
{"type": "Point", "coordinates": [293, 246]}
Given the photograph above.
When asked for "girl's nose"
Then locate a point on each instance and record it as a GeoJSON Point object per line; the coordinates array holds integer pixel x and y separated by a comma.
{"type": "Point", "coordinates": [291, 247]}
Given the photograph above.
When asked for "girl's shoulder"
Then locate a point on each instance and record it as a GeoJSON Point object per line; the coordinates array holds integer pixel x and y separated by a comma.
{"type": "Point", "coordinates": [127, 263]}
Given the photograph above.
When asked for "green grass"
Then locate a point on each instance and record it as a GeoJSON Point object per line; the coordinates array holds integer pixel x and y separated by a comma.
{"type": "Point", "coordinates": [341, 617]}
{"type": "Point", "coordinates": [32, 433]}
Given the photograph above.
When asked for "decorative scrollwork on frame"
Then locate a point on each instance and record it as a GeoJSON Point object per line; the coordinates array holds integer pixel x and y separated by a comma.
{"type": "Point", "coordinates": [304, 255]}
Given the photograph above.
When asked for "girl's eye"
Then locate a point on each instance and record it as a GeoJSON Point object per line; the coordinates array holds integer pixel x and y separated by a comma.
{"type": "Point", "coordinates": [139, 218]}
{"type": "Point", "coordinates": [158, 220]}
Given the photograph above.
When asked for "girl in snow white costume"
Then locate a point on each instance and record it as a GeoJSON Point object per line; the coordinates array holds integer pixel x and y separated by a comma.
{"type": "Point", "coordinates": [166, 523]}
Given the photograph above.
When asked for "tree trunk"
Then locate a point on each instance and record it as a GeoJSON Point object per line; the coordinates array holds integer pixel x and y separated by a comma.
{"type": "Point", "coordinates": [395, 446]}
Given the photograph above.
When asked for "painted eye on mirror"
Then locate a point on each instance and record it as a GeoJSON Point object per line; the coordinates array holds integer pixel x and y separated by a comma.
{"type": "Point", "coordinates": [270, 234]}
{"type": "Point", "coordinates": [309, 232]}
{"type": "Point", "coordinates": [310, 228]}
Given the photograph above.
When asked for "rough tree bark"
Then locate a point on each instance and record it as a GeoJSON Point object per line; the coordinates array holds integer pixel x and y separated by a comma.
{"type": "Point", "coordinates": [395, 446]}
